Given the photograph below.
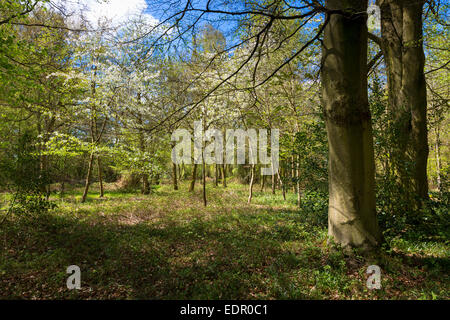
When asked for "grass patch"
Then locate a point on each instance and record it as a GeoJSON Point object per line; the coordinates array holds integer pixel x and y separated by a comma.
{"type": "Point", "coordinates": [168, 246]}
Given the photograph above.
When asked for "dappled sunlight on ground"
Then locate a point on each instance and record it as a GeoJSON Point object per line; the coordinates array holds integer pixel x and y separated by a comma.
{"type": "Point", "coordinates": [167, 245]}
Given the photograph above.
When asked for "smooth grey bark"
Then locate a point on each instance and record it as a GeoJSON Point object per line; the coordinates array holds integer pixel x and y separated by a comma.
{"type": "Point", "coordinates": [402, 46]}
{"type": "Point", "coordinates": [352, 218]}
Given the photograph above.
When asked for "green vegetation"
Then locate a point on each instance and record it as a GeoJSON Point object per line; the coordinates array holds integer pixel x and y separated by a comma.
{"type": "Point", "coordinates": [96, 114]}
{"type": "Point", "coordinates": [169, 246]}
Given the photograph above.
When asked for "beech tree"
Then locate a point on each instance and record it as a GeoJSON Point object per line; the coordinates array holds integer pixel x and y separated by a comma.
{"type": "Point", "coordinates": [352, 218]}
{"type": "Point", "coordinates": [402, 46]}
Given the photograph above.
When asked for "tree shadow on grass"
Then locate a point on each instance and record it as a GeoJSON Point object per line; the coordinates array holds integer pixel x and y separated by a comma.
{"type": "Point", "coordinates": [216, 259]}
{"type": "Point", "coordinates": [257, 254]}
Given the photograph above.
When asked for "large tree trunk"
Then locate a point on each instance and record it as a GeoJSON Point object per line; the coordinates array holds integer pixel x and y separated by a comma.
{"type": "Point", "coordinates": [88, 177]}
{"type": "Point", "coordinates": [402, 45]}
{"type": "Point", "coordinates": [352, 218]}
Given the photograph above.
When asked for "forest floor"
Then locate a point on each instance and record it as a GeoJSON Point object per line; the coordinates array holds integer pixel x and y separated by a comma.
{"type": "Point", "coordinates": [167, 245]}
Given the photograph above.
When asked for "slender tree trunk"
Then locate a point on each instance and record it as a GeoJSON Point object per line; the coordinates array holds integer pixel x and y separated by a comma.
{"type": "Point", "coordinates": [100, 176]}
{"type": "Point", "coordinates": [224, 175]}
{"type": "Point", "coordinates": [252, 179]}
{"type": "Point", "coordinates": [204, 180]}
{"type": "Point", "coordinates": [145, 184]}
{"type": "Point", "coordinates": [63, 179]}
{"type": "Point", "coordinates": [42, 159]}
{"type": "Point", "coordinates": [181, 172]}
{"type": "Point", "coordinates": [174, 176]}
{"type": "Point", "coordinates": [49, 125]}
{"type": "Point", "coordinates": [93, 128]}
{"type": "Point", "coordinates": [194, 177]}
{"type": "Point", "coordinates": [293, 173]}
{"type": "Point", "coordinates": [62, 189]}
{"type": "Point", "coordinates": [282, 186]}
{"type": "Point", "coordinates": [273, 179]}
{"type": "Point", "coordinates": [216, 175]}
{"type": "Point", "coordinates": [88, 177]}
{"type": "Point", "coordinates": [352, 218]}
{"type": "Point", "coordinates": [263, 181]}
{"type": "Point", "coordinates": [299, 195]}
{"type": "Point", "coordinates": [46, 175]}
{"type": "Point", "coordinates": [174, 173]}
{"type": "Point", "coordinates": [438, 157]}
{"type": "Point", "coordinates": [40, 151]}
{"type": "Point", "coordinates": [402, 45]}
{"type": "Point", "coordinates": [145, 187]}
